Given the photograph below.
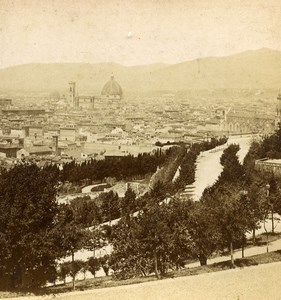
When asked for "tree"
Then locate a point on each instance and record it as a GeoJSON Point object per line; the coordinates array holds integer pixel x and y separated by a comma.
{"type": "Point", "coordinates": [28, 210]}
{"type": "Point", "coordinates": [128, 204]}
{"type": "Point", "coordinates": [95, 238]}
{"type": "Point", "coordinates": [93, 265]}
{"type": "Point", "coordinates": [232, 169]}
{"type": "Point", "coordinates": [75, 267]}
{"type": "Point", "coordinates": [254, 200]}
{"type": "Point", "coordinates": [203, 233]}
{"type": "Point", "coordinates": [104, 262]}
{"type": "Point", "coordinates": [230, 217]}
{"type": "Point", "coordinates": [71, 236]}
{"type": "Point", "coordinates": [64, 271]}
{"type": "Point", "coordinates": [84, 268]}
{"type": "Point", "coordinates": [154, 241]}
{"type": "Point", "coordinates": [86, 212]}
{"type": "Point", "coordinates": [273, 197]}
{"type": "Point", "coordinates": [109, 206]}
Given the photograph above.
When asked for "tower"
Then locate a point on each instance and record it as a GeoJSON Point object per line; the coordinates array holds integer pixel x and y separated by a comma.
{"type": "Point", "coordinates": [72, 93]}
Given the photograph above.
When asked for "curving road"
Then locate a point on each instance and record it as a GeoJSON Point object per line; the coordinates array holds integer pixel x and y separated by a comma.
{"type": "Point", "coordinates": [208, 166]}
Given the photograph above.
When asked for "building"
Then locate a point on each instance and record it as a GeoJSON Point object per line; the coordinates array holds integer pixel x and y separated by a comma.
{"type": "Point", "coordinates": [23, 111]}
{"type": "Point", "coordinates": [72, 94]}
{"type": "Point", "coordinates": [269, 166]}
{"type": "Point", "coordinates": [85, 102]}
{"type": "Point", "coordinates": [10, 149]}
{"type": "Point", "coordinates": [67, 133]}
{"type": "Point", "coordinates": [34, 132]}
{"type": "Point", "coordinates": [34, 150]}
{"type": "Point", "coordinates": [238, 122]}
{"type": "Point", "coordinates": [5, 103]}
{"type": "Point", "coordinates": [111, 96]}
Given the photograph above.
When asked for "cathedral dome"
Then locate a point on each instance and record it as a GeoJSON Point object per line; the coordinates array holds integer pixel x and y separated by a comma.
{"type": "Point", "coordinates": [112, 88]}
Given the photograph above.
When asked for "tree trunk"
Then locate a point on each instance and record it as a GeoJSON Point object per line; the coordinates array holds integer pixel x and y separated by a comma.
{"type": "Point", "coordinates": [143, 272]}
{"type": "Point", "coordinates": [231, 255]}
{"type": "Point", "coordinates": [254, 236]}
{"type": "Point", "coordinates": [73, 282]}
{"type": "Point", "coordinates": [156, 265]}
{"type": "Point", "coordinates": [73, 277]}
{"type": "Point", "coordinates": [203, 260]}
{"type": "Point", "coordinates": [244, 242]}
{"type": "Point", "coordinates": [272, 219]}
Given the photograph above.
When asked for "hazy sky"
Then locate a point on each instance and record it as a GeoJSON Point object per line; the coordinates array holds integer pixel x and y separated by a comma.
{"type": "Point", "coordinates": [133, 32]}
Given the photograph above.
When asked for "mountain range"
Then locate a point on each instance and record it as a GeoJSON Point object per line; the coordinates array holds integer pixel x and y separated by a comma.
{"type": "Point", "coordinates": [255, 69]}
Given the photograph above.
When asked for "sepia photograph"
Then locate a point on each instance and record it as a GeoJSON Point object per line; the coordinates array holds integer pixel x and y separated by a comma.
{"type": "Point", "coordinates": [140, 149]}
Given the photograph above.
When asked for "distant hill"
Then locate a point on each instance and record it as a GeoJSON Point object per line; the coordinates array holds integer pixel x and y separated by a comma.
{"type": "Point", "coordinates": [251, 69]}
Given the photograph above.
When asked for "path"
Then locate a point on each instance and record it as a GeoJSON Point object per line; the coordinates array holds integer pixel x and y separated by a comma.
{"type": "Point", "coordinates": [251, 283]}
{"type": "Point", "coordinates": [208, 167]}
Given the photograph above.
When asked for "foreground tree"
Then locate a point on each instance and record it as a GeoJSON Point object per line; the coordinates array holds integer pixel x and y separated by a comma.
{"type": "Point", "coordinates": [154, 241]}
{"type": "Point", "coordinates": [71, 236]}
{"type": "Point", "coordinates": [203, 233]}
{"type": "Point", "coordinates": [231, 218]}
{"type": "Point", "coordinates": [28, 209]}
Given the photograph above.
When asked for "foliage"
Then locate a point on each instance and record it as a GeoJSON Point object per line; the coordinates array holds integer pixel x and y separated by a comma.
{"type": "Point", "coordinates": [94, 265]}
{"type": "Point", "coordinates": [127, 167]}
{"type": "Point", "coordinates": [128, 204]}
{"type": "Point", "coordinates": [203, 232]}
{"type": "Point", "coordinates": [64, 271]}
{"type": "Point", "coordinates": [28, 210]}
{"type": "Point", "coordinates": [86, 212]}
{"type": "Point", "coordinates": [75, 267]}
{"type": "Point", "coordinates": [105, 263]}
{"type": "Point", "coordinates": [71, 236]}
{"type": "Point", "coordinates": [232, 169]}
{"type": "Point", "coordinates": [231, 214]}
{"type": "Point", "coordinates": [109, 207]}
{"type": "Point", "coordinates": [96, 238]}
{"type": "Point", "coordinates": [153, 241]}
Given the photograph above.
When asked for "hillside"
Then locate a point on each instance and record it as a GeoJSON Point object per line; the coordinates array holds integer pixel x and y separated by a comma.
{"type": "Point", "coordinates": [252, 69]}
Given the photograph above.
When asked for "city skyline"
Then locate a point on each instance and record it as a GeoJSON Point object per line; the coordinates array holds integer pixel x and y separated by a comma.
{"type": "Point", "coordinates": [134, 33]}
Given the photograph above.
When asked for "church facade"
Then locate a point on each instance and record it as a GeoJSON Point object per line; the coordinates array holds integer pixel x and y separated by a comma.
{"type": "Point", "coordinates": [242, 122]}
{"type": "Point", "coordinates": [239, 122]}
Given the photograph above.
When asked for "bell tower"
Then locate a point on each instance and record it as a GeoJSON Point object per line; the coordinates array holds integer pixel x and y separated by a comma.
{"type": "Point", "coordinates": [72, 93]}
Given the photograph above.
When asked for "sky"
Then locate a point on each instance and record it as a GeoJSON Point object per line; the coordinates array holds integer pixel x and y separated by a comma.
{"type": "Point", "coordinates": [134, 32]}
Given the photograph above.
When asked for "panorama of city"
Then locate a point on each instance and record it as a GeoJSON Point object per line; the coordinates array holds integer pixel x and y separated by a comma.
{"type": "Point", "coordinates": [130, 172]}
